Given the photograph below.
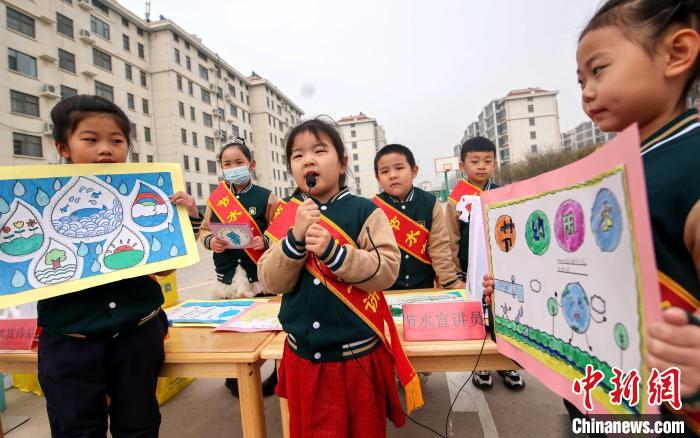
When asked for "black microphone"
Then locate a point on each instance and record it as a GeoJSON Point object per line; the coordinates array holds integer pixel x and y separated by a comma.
{"type": "Point", "coordinates": [310, 180]}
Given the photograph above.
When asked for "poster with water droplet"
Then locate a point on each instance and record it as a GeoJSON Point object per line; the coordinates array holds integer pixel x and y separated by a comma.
{"type": "Point", "coordinates": [574, 272]}
{"type": "Point", "coordinates": [70, 227]}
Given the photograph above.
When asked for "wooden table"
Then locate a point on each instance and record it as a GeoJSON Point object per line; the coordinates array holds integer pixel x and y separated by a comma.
{"type": "Point", "coordinates": [198, 352]}
{"type": "Point", "coordinates": [426, 356]}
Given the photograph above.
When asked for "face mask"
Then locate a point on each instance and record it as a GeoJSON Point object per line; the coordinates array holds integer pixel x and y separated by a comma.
{"type": "Point", "coordinates": [237, 175]}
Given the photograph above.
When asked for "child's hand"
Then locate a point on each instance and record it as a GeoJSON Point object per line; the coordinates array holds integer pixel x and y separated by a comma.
{"type": "Point", "coordinates": [257, 243]}
{"type": "Point", "coordinates": [317, 239]}
{"type": "Point", "coordinates": [217, 245]}
{"type": "Point", "coordinates": [674, 342]}
{"type": "Point", "coordinates": [187, 201]}
{"type": "Point", "coordinates": [308, 214]}
{"type": "Point", "coordinates": [488, 288]}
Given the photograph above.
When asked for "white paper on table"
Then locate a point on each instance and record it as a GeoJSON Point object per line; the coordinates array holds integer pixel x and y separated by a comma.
{"type": "Point", "coordinates": [478, 264]}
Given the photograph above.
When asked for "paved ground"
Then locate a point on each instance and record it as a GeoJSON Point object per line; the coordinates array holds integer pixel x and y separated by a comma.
{"type": "Point", "coordinates": [206, 408]}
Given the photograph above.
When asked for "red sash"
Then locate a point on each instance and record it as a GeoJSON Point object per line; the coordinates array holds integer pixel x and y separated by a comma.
{"type": "Point", "coordinates": [229, 210]}
{"type": "Point", "coordinates": [462, 188]}
{"type": "Point", "coordinates": [411, 236]}
{"type": "Point", "coordinates": [370, 306]}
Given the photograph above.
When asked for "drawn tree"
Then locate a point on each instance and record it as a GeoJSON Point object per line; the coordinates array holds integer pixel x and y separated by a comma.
{"type": "Point", "coordinates": [55, 257]}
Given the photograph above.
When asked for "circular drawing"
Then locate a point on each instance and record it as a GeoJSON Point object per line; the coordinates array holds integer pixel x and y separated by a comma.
{"type": "Point", "coordinates": [606, 220]}
{"type": "Point", "coordinates": [577, 311]}
{"type": "Point", "coordinates": [537, 232]}
{"type": "Point", "coordinates": [505, 233]}
{"type": "Point", "coordinates": [569, 225]}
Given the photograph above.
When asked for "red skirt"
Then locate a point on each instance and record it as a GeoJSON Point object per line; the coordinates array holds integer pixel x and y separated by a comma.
{"type": "Point", "coordinates": [349, 398]}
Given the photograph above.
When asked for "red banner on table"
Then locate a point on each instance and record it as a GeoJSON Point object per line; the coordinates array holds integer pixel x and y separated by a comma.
{"type": "Point", "coordinates": [443, 321]}
{"type": "Point", "coordinates": [17, 334]}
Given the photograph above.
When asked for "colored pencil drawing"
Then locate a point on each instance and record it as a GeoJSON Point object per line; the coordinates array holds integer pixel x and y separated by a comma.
{"type": "Point", "coordinates": [64, 227]}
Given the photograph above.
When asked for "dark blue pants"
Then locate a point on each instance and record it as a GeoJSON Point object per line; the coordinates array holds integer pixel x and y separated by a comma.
{"type": "Point", "coordinates": [77, 375]}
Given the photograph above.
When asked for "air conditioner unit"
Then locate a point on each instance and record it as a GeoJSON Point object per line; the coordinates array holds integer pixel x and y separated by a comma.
{"type": "Point", "coordinates": [50, 90]}
{"type": "Point", "coordinates": [229, 97]}
{"type": "Point", "coordinates": [215, 113]}
{"type": "Point", "coordinates": [48, 57]}
{"type": "Point", "coordinates": [220, 133]}
{"type": "Point", "coordinates": [85, 4]}
{"type": "Point", "coordinates": [85, 35]}
{"type": "Point", "coordinates": [212, 87]}
{"type": "Point", "coordinates": [48, 128]}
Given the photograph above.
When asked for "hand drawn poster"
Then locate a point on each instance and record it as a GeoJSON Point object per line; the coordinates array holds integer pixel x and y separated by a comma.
{"type": "Point", "coordinates": [207, 313]}
{"type": "Point", "coordinates": [69, 227]}
{"type": "Point", "coordinates": [260, 317]}
{"type": "Point", "coordinates": [574, 270]}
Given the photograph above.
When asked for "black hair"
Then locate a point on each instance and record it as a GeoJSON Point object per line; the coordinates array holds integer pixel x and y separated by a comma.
{"type": "Point", "coordinates": [321, 125]}
{"type": "Point", "coordinates": [476, 144]}
{"type": "Point", "coordinates": [647, 21]}
{"type": "Point", "coordinates": [236, 142]}
{"type": "Point", "coordinates": [69, 112]}
{"type": "Point", "coordinates": [394, 149]}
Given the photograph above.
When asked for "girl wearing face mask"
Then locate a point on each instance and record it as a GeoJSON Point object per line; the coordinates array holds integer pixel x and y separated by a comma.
{"type": "Point", "coordinates": [237, 197]}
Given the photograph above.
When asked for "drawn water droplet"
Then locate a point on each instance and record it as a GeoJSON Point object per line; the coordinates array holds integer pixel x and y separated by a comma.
{"type": "Point", "coordinates": [77, 218]}
{"type": "Point", "coordinates": [155, 244]}
{"type": "Point", "coordinates": [58, 264]}
{"type": "Point", "coordinates": [18, 279]}
{"type": "Point", "coordinates": [125, 250]}
{"type": "Point", "coordinates": [161, 181]}
{"type": "Point", "coordinates": [123, 189]}
{"type": "Point", "coordinates": [26, 235]}
{"type": "Point", "coordinates": [108, 179]}
{"type": "Point", "coordinates": [4, 206]}
{"type": "Point", "coordinates": [95, 266]}
{"type": "Point", "coordinates": [19, 189]}
{"type": "Point", "coordinates": [171, 228]}
{"type": "Point", "coordinates": [42, 199]}
{"type": "Point", "coordinates": [173, 251]}
{"type": "Point", "coordinates": [57, 185]}
{"type": "Point", "coordinates": [98, 248]}
{"type": "Point", "coordinates": [82, 249]}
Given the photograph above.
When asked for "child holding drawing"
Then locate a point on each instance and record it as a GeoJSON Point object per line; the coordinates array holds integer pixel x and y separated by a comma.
{"type": "Point", "coordinates": [237, 200]}
{"type": "Point", "coordinates": [636, 62]}
{"type": "Point", "coordinates": [104, 341]}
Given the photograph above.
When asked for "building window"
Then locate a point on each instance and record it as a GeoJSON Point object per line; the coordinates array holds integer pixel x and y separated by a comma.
{"type": "Point", "coordinates": [357, 168]}
{"type": "Point", "coordinates": [202, 55]}
{"type": "Point", "coordinates": [27, 145]}
{"type": "Point", "coordinates": [68, 92]}
{"type": "Point", "coordinates": [101, 59]}
{"type": "Point", "coordinates": [20, 22]}
{"type": "Point", "coordinates": [192, 114]}
{"type": "Point", "coordinates": [531, 108]}
{"type": "Point", "coordinates": [142, 54]}
{"type": "Point", "coordinates": [194, 141]}
{"type": "Point", "coordinates": [203, 72]}
{"type": "Point", "coordinates": [178, 79]}
{"type": "Point", "coordinates": [209, 143]}
{"type": "Point", "coordinates": [147, 134]}
{"type": "Point", "coordinates": [130, 101]}
{"type": "Point", "coordinates": [188, 62]}
{"type": "Point", "coordinates": [190, 88]}
{"type": "Point", "coordinates": [353, 133]}
{"type": "Point", "coordinates": [176, 37]}
{"type": "Point", "coordinates": [199, 190]}
{"type": "Point", "coordinates": [530, 99]}
{"type": "Point", "coordinates": [206, 96]}
{"type": "Point", "coordinates": [234, 130]}
{"type": "Point", "coordinates": [144, 105]}
{"type": "Point", "coordinates": [99, 27]}
{"type": "Point", "coordinates": [533, 135]}
{"type": "Point", "coordinates": [181, 107]}
{"type": "Point", "coordinates": [533, 148]}
{"type": "Point", "coordinates": [532, 121]}
{"type": "Point", "coordinates": [212, 187]}
{"type": "Point", "coordinates": [196, 164]}
{"type": "Point", "coordinates": [354, 157]}
{"type": "Point", "coordinates": [188, 187]}
{"type": "Point", "coordinates": [207, 119]}
{"type": "Point", "coordinates": [132, 131]}
{"type": "Point", "coordinates": [100, 6]}
{"type": "Point", "coordinates": [64, 25]}
{"type": "Point", "coordinates": [211, 167]}
{"type": "Point", "coordinates": [183, 135]}
{"type": "Point", "coordinates": [354, 145]}
{"type": "Point", "coordinates": [125, 42]}
{"type": "Point", "coordinates": [139, 31]}
{"type": "Point", "coordinates": [149, 158]}
{"type": "Point", "coordinates": [125, 23]}
{"type": "Point", "coordinates": [66, 61]}
{"type": "Point", "coordinates": [143, 79]}
{"type": "Point", "coordinates": [128, 72]}
{"type": "Point", "coordinates": [21, 63]}
{"type": "Point", "coordinates": [186, 162]}
{"type": "Point", "coordinates": [233, 110]}
{"type": "Point", "coordinates": [22, 103]}
{"type": "Point", "coordinates": [134, 157]}
{"type": "Point", "coordinates": [177, 56]}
